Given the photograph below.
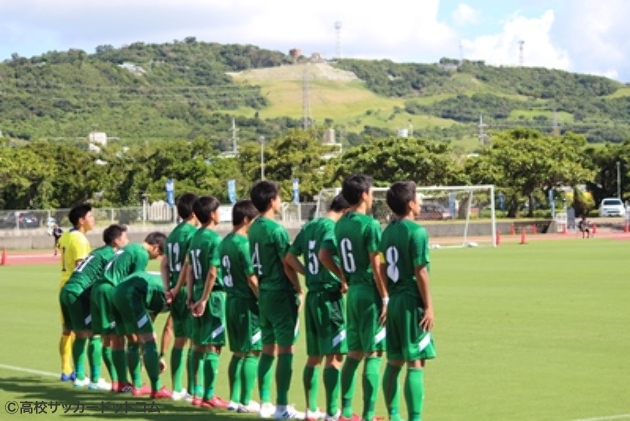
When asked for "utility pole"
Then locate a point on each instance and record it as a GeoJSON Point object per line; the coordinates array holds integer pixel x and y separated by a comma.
{"type": "Point", "coordinates": [618, 180]}
{"type": "Point", "coordinates": [555, 127]}
{"type": "Point", "coordinates": [262, 157]}
{"type": "Point", "coordinates": [483, 137]}
{"type": "Point", "coordinates": [234, 137]}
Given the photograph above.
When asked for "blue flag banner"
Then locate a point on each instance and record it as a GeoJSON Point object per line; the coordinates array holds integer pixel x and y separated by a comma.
{"type": "Point", "coordinates": [501, 200]}
{"type": "Point", "coordinates": [231, 185]}
{"type": "Point", "coordinates": [170, 192]}
{"type": "Point", "coordinates": [296, 191]}
{"type": "Point", "coordinates": [552, 203]}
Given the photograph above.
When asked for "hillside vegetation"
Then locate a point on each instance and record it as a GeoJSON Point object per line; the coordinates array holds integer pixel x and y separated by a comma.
{"type": "Point", "coordinates": [190, 89]}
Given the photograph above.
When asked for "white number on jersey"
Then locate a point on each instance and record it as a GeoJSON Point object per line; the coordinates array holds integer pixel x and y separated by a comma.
{"type": "Point", "coordinates": [256, 260]}
{"type": "Point", "coordinates": [391, 255]}
{"type": "Point", "coordinates": [173, 256]}
{"type": "Point", "coordinates": [113, 259]}
{"type": "Point", "coordinates": [227, 274]}
{"type": "Point", "coordinates": [313, 262]}
{"type": "Point", "coordinates": [346, 256]}
{"type": "Point", "coordinates": [196, 264]}
{"type": "Point", "coordinates": [84, 263]}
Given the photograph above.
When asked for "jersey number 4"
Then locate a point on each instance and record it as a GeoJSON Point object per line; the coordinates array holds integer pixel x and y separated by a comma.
{"type": "Point", "coordinates": [256, 260]}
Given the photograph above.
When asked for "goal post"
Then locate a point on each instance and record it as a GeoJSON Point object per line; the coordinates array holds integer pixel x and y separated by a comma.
{"type": "Point", "coordinates": [454, 216]}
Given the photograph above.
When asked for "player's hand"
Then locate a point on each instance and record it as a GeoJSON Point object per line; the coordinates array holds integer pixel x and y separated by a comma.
{"type": "Point", "coordinates": [163, 365]}
{"type": "Point", "coordinates": [427, 321]}
{"type": "Point", "coordinates": [199, 308]}
{"type": "Point", "coordinates": [300, 301]}
{"type": "Point", "coordinates": [169, 296]}
{"type": "Point", "coordinates": [382, 318]}
{"type": "Point", "coordinates": [344, 287]}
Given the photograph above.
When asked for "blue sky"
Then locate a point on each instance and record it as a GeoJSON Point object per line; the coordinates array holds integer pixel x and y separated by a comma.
{"type": "Point", "coordinates": [585, 36]}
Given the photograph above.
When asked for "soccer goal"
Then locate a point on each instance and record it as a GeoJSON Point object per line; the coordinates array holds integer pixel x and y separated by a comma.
{"type": "Point", "coordinates": [454, 216]}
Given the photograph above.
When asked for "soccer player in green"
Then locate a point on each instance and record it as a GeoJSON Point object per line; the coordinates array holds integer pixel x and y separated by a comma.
{"type": "Point", "coordinates": [174, 269]}
{"type": "Point", "coordinates": [136, 302]}
{"type": "Point", "coordinates": [358, 236]}
{"type": "Point", "coordinates": [405, 246]}
{"type": "Point", "coordinates": [241, 308]}
{"type": "Point", "coordinates": [206, 299]}
{"type": "Point", "coordinates": [134, 257]}
{"type": "Point", "coordinates": [279, 300]}
{"type": "Point", "coordinates": [323, 310]}
{"type": "Point", "coordinates": [75, 307]}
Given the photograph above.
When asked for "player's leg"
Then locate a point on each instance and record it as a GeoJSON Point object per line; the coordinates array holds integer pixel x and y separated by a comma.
{"type": "Point", "coordinates": [214, 329]}
{"type": "Point", "coordinates": [310, 374]}
{"type": "Point", "coordinates": [268, 355]}
{"type": "Point", "coordinates": [65, 351]}
{"type": "Point", "coordinates": [355, 353]}
{"type": "Point", "coordinates": [67, 301]}
{"type": "Point", "coordinates": [248, 341]}
{"type": "Point", "coordinates": [285, 325]}
{"type": "Point", "coordinates": [373, 344]}
{"type": "Point", "coordinates": [175, 327]}
{"type": "Point", "coordinates": [395, 361]}
{"type": "Point", "coordinates": [234, 327]}
{"type": "Point", "coordinates": [101, 330]}
{"type": "Point", "coordinates": [333, 345]}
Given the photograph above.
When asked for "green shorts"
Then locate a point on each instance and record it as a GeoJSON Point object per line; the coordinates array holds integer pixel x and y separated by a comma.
{"type": "Point", "coordinates": [130, 313]}
{"type": "Point", "coordinates": [406, 341]}
{"type": "Point", "coordinates": [279, 322]}
{"type": "Point", "coordinates": [325, 323]}
{"type": "Point", "coordinates": [209, 329]}
{"type": "Point", "coordinates": [75, 309]}
{"type": "Point", "coordinates": [101, 309]}
{"type": "Point", "coordinates": [182, 318]}
{"type": "Point", "coordinates": [242, 323]}
{"type": "Point", "coordinates": [365, 333]}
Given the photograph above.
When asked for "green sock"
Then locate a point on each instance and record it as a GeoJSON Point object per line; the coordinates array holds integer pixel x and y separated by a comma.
{"type": "Point", "coordinates": [135, 366]}
{"type": "Point", "coordinates": [95, 358]}
{"type": "Point", "coordinates": [310, 377]}
{"type": "Point", "coordinates": [371, 371]}
{"type": "Point", "coordinates": [190, 373]}
{"type": "Point", "coordinates": [332, 383]}
{"type": "Point", "coordinates": [234, 376]}
{"type": "Point", "coordinates": [264, 377]}
{"type": "Point", "coordinates": [120, 363]}
{"type": "Point", "coordinates": [414, 392]}
{"type": "Point", "coordinates": [391, 391]}
{"type": "Point", "coordinates": [348, 383]}
{"type": "Point", "coordinates": [177, 369]}
{"type": "Point", "coordinates": [109, 364]}
{"type": "Point", "coordinates": [284, 372]}
{"type": "Point", "coordinates": [152, 364]}
{"type": "Point", "coordinates": [78, 355]}
{"type": "Point", "coordinates": [210, 371]}
{"type": "Point", "coordinates": [198, 364]}
{"type": "Point", "coordinates": [248, 378]}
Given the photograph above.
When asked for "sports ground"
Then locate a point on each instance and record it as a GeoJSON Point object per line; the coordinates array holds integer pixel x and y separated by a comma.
{"type": "Point", "coordinates": [523, 332]}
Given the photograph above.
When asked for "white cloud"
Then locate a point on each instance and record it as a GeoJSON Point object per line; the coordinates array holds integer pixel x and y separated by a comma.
{"type": "Point", "coordinates": [503, 48]}
{"type": "Point", "coordinates": [464, 14]}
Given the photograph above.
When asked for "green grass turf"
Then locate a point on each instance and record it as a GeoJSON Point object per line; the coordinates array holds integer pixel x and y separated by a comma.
{"type": "Point", "coordinates": [534, 332]}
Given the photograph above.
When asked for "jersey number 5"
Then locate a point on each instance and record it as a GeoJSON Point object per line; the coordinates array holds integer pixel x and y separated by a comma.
{"type": "Point", "coordinates": [346, 256]}
{"type": "Point", "coordinates": [313, 263]}
{"type": "Point", "coordinates": [391, 255]}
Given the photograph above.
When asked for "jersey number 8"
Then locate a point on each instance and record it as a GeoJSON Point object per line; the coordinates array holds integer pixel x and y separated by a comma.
{"type": "Point", "coordinates": [392, 256]}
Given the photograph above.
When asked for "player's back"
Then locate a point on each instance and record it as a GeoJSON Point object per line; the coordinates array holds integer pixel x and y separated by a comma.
{"type": "Point", "coordinates": [309, 241]}
{"type": "Point", "coordinates": [405, 246]}
{"type": "Point", "coordinates": [145, 285]}
{"type": "Point", "coordinates": [177, 244]}
{"type": "Point", "coordinates": [203, 254]}
{"type": "Point", "coordinates": [127, 260]}
{"type": "Point", "coordinates": [74, 246]}
{"type": "Point", "coordinates": [357, 236]}
{"type": "Point", "coordinates": [90, 269]}
{"type": "Point", "coordinates": [236, 265]}
{"type": "Point", "coordinates": [268, 240]}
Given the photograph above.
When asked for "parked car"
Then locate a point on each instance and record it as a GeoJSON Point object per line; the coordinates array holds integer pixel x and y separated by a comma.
{"type": "Point", "coordinates": [24, 220]}
{"type": "Point", "coordinates": [611, 206]}
{"type": "Point", "coordinates": [434, 212]}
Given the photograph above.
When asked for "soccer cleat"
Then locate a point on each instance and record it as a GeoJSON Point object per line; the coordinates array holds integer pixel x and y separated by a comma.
{"type": "Point", "coordinates": [354, 417]}
{"type": "Point", "coordinates": [124, 388]}
{"type": "Point", "coordinates": [163, 393]}
{"type": "Point", "coordinates": [81, 383]}
{"type": "Point", "coordinates": [188, 398]}
{"type": "Point", "coordinates": [267, 410]}
{"type": "Point", "coordinates": [333, 417]}
{"type": "Point", "coordinates": [196, 401]}
{"type": "Point", "coordinates": [232, 406]}
{"type": "Point", "coordinates": [179, 396]}
{"type": "Point", "coordinates": [68, 377]}
{"type": "Point", "coordinates": [101, 384]}
{"type": "Point", "coordinates": [214, 402]}
{"type": "Point", "coordinates": [288, 412]}
{"type": "Point", "coordinates": [144, 390]}
{"type": "Point", "coordinates": [251, 408]}
{"type": "Point", "coordinates": [314, 416]}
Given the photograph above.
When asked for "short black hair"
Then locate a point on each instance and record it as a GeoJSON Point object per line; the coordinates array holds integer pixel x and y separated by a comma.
{"type": "Point", "coordinates": [399, 195]}
{"type": "Point", "coordinates": [242, 209]}
{"type": "Point", "coordinates": [204, 206]}
{"type": "Point", "coordinates": [338, 204]}
{"type": "Point", "coordinates": [79, 212]}
{"type": "Point", "coordinates": [112, 233]}
{"type": "Point", "coordinates": [354, 186]}
{"type": "Point", "coordinates": [156, 238]}
{"type": "Point", "coordinates": [185, 205]}
{"type": "Point", "coordinates": [263, 193]}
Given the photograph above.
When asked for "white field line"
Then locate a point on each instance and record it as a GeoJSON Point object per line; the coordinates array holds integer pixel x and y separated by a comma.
{"type": "Point", "coordinates": [28, 370]}
{"type": "Point", "coordinates": [608, 418]}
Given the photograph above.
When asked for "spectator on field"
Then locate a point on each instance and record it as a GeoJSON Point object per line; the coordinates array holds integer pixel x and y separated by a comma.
{"type": "Point", "coordinates": [585, 227]}
{"type": "Point", "coordinates": [56, 233]}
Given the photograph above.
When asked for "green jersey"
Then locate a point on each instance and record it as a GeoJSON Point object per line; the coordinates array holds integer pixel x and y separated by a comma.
{"type": "Point", "coordinates": [307, 244]}
{"type": "Point", "coordinates": [405, 246]}
{"type": "Point", "coordinates": [89, 270]}
{"type": "Point", "coordinates": [236, 266]}
{"type": "Point", "coordinates": [204, 254]}
{"type": "Point", "coordinates": [269, 242]}
{"type": "Point", "coordinates": [148, 287]}
{"type": "Point", "coordinates": [177, 245]}
{"type": "Point", "coordinates": [127, 260]}
{"type": "Point", "coordinates": [358, 235]}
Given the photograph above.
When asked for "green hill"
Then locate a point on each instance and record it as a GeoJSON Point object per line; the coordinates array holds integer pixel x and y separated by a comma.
{"type": "Point", "coordinates": [190, 89]}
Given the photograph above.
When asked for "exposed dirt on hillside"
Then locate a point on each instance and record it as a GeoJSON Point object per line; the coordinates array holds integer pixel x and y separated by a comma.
{"type": "Point", "coordinates": [315, 71]}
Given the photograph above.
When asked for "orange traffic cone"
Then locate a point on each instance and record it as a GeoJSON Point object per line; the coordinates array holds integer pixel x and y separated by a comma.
{"type": "Point", "coordinates": [626, 228]}
{"type": "Point", "coordinates": [498, 237]}
{"type": "Point", "coordinates": [594, 230]}
{"type": "Point", "coordinates": [564, 229]}
{"type": "Point", "coordinates": [512, 230]}
{"type": "Point", "coordinates": [3, 261]}
{"type": "Point", "coordinates": [523, 241]}
{"type": "Point", "coordinates": [533, 228]}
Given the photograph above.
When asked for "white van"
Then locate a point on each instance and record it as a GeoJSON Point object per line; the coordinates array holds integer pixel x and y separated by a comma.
{"type": "Point", "coordinates": [611, 206]}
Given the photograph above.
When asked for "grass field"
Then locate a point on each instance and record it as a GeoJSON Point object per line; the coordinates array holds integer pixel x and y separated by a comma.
{"type": "Point", "coordinates": [523, 332]}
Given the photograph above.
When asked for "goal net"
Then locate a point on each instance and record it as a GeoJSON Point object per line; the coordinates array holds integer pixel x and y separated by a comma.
{"type": "Point", "coordinates": [454, 216]}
